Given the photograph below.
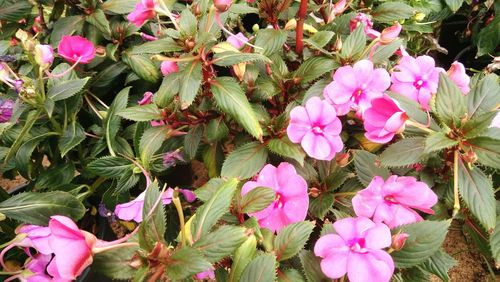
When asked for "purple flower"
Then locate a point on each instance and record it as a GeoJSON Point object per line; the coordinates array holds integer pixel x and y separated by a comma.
{"type": "Point", "coordinates": [6, 107]}
{"type": "Point", "coordinates": [237, 40]}
{"type": "Point", "coordinates": [172, 158]}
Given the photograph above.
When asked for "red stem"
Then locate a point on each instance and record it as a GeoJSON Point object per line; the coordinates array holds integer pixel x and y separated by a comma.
{"type": "Point", "coordinates": [299, 30]}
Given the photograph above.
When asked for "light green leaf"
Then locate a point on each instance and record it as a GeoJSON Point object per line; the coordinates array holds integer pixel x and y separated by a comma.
{"type": "Point", "coordinates": [221, 243]}
{"type": "Point", "coordinates": [368, 166]}
{"type": "Point", "coordinates": [119, 6]}
{"type": "Point", "coordinates": [484, 97]}
{"type": "Point", "coordinates": [190, 82]}
{"type": "Point", "coordinates": [450, 105]}
{"type": "Point", "coordinates": [454, 4]}
{"type": "Point", "coordinates": [439, 264]}
{"type": "Point", "coordinates": [216, 130]}
{"type": "Point", "coordinates": [384, 52]}
{"type": "Point", "coordinates": [495, 242]}
{"type": "Point", "coordinates": [163, 45]}
{"type": "Point", "coordinates": [487, 150]}
{"type": "Point", "coordinates": [142, 66]}
{"type": "Point", "coordinates": [354, 43]}
{"type": "Point", "coordinates": [116, 264]}
{"type": "Point", "coordinates": [489, 38]}
{"type": "Point", "coordinates": [311, 266]}
{"type": "Point", "coordinates": [260, 269]}
{"type": "Point", "coordinates": [242, 257]}
{"type": "Point", "coordinates": [153, 226]}
{"type": "Point", "coordinates": [284, 147]}
{"type": "Point", "coordinates": [414, 111]}
{"type": "Point", "coordinates": [151, 141]}
{"type": "Point", "coordinates": [388, 12]}
{"type": "Point", "coordinates": [141, 113]}
{"type": "Point", "coordinates": [245, 161]}
{"type": "Point", "coordinates": [292, 239]}
{"type": "Point", "coordinates": [230, 58]}
{"type": "Point", "coordinates": [66, 89]}
{"type": "Point", "coordinates": [270, 40]}
{"type": "Point", "coordinates": [313, 68]}
{"type": "Point", "coordinates": [186, 262]}
{"type": "Point", "coordinates": [405, 152]}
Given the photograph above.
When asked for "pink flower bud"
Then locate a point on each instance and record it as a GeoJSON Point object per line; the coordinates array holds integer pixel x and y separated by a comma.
{"type": "Point", "coordinates": [390, 34]}
{"type": "Point", "coordinates": [168, 67]}
{"type": "Point", "coordinates": [146, 99]}
{"type": "Point", "coordinates": [458, 75]}
{"type": "Point", "coordinates": [398, 241]}
{"type": "Point", "coordinates": [44, 55]}
{"type": "Point", "coordinates": [222, 5]}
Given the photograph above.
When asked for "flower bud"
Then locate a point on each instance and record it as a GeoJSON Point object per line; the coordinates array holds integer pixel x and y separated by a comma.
{"type": "Point", "coordinates": [168, 67]}
{"type": "Point", "coordinates": [390, 34]}
{"type": "Point", "coordinates": [398, 241]}
{"type": "Point", "coordinates": [342, 159]}
{"type": "Point", "coordinates": [223, 5]}
{"type": "Point", "coordinates": [255, 27]}
{"type": "Point", "coordinates": [419, 17]}
{"type": "Point", "coordinates": [44, 55]}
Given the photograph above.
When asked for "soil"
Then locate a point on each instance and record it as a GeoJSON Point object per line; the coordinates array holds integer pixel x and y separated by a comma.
{"type": "Point", "coordinates": [9, 184]}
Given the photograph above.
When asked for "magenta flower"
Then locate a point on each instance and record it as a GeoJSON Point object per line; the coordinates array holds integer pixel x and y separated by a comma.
{"type": "Point", "coordinates": [44, 55]}
{"type": "Point", "coordinates": [168, 67]}
{"type": "Point", "coordinates": [37, 266]}
{"type": "Point", "coordinates": [416, 78]}
{"type": "Point", "coordinates": [458, 75]}
{"type": "Point", "coordinates": [317, 128]}
{"type": "Point", "coordinates": [6, 107]}
{"type": "Point", "coordinates": [291, 202]}
{"type": "Point", "coordinates": [133, 210]}
{"type": "Point", "coordinates": [76, 49]}
{"type": "Point", "coordinates": [36, 237]}
{"type": "Point", "coordinates": [143, 11]}
{"type": "Point", "coordinates": [356, 249]}
{"type": "Point", "coordinates": [392, 201]}
{"type": "Point", "coordinates": [208, 274]}
{"type": "Point", "coordinates": [354, 87]}
{"type": "Point", "coordinates": [383, 119]}
{"type": "Point", "coordinates": [147, 98]}
{"type": "Point", "coordinates": [366, 21]}
{"type": "Point", "coordinates": [237, 40]}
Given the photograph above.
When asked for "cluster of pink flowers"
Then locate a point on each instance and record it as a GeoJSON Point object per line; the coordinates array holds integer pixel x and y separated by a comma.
{"type": "Point", "coordinates": [357, 247]}
{"type": "Point", "coordinates": [63, 250]}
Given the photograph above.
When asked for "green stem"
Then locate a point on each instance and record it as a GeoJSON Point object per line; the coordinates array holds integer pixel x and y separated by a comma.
{"type": "Point", "coordinates": [456, 205]}
{"type": "Point", "coordinates": [419, 126]}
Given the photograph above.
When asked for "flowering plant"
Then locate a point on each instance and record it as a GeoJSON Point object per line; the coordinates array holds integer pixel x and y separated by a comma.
{"type": "Point", "coordinates": [244, 140]}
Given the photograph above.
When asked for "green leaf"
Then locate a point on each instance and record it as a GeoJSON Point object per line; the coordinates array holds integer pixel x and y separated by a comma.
{"type": "Point", "coordinates": [413, 110]}
{"type": "Point", "coordinates": [439, 264]}
{"type": "Point", "coordinates": [141, 113]}
{"type": "Point", "coordinates": [111, 122]}
{"type": "Point", "coordinates": [484, 97]}
{"type": "Point", "coordinates": [107, 76]}
{"type": "Point", "coordinates": [216, 130]}
{"type": "Point", "coordinates": [319, 206]}
{"type": "Point", "coordinates": [119, 6]}
{"type": "Point", "coordinates": [311, 266]}
{"type": "Point", "coordinates": [66, 26]}
{"type": "Point", "coordinates": [392, 11]}
{"type": "Point", "coordinates": [142, 66]}
{"type": "Point", "coordinates": [313, 68]}
{"type": "Point", "coordinates": [285, 148]}
{"type": "Point", "coordinates": [221, 243]}
{"type": "Point", "coordinates": [110, 167]}
{"type": "Point", "coordinates": [23, 154]}
{"type": "Point", "coordinates": [55, 176]}
{"type": "Point", "coordinates": [321, 38]}
{"type": "Point", "coordinates": [257, 199]}
{"type": "Point", "coordinates": [71, 137]}
{"type": "Point", "coordinates": [260, 269]}
{"type": "Point", "coordinates": [450, 106]}
{"type": "Point", "coordinates": [425, 239]}
{"type": "Point", "coordinates": [151, 141]}
{"type": "Point", "coordinates": [232, 100]}
{"type": "Point", "coordinates": [37, 208]}
{"type": "Point", "coordinates": [211, 211]}
{"type": "Point", "coordinates": [367, 166]}
{"type": "Point", "coordinates": [12, 11]}
{"type": "Point", "coordinates": [245, 161]}
{"type": "Point", "coordinates": [186, 262]}
{"type": "Point", "coordinates": [66, 89]}
{"type": "Point", "coordinates": [230, 58]}
{"type": "Point", "coordinates": [153, 225]}
{"type": "Point", "coordinates": [290, 275]}
{"type": "Point", "coordinates": [163, 45]}
{"type": "Point", "coordinates": [454, 4]}
{"type": "Point", "coordinates": [405, 152]}
{"type": "Point", "coordinates": [487, 150]}
{"type": "Point", "coordinates": [99, 20]}
{"type": "Point", "coordinates": [438, 141]}
{"type": "Point", "coordinates": [169, 87]}
{"type": "Point", "coordinates": [479, 125]}
{"type": "Point", "coordinates": [270, 40]}
{"type": "Point", "coordinates": [187, 23]}
{"type": "Point", "coordinates": [192, 141]}
{"type": "Point", "coordinates": [206, 191]}
{"type": "Point", "coordinates": [190, 82]}
{"type": "Point", "coordinates": [242, 256]}
{"type": "Point", "coordinates": [476, 190]}
{"type": "Point", "coordinates": [384, 52]}
{"type": "Point", "coordinates": [292, 239]}
{"type": "Point", "coordinates": [354, 44]}
{"type": "Point", "coordinates": [489, 38]}
{"type": "Point", "coordinates": [115, 264]}
{"type": "Point", "coordinates": [495, 242]}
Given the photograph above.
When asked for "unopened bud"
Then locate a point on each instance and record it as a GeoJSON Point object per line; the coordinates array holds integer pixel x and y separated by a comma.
{"type": "Point", "coordinates": [44, 55]}
{"type": "Point", "coordinates": [398, 241]}
{"type": "Point", "coordinates": [419, 17]}
{"type": "Point", "coordinates": [342, 159]}
{"type": "Point", "coordinates": [255, 27]}
{"type": "Point", "coordinates": [223, 5]}
{"type": "Point", "coordinates": [470, 157]}
{"type": "Point", "coordinates": [314, 192]}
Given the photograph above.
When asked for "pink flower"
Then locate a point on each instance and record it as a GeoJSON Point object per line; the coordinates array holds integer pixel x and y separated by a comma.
{"type": "Point", "coordinates": [37, 266]}
{"type": "Point", "coordinates": [496, 121]}
{"type": "Point", "coordinates": [147, 98]}
{"type": "Point", "coordinates": [291, 202]}
{"type": "Point", "coordinates": [390, 34]}
{"type": "Point", "coordinates": [209, 274]}
{"type": "Point", "coordinates": [458, 75]}
{"type": "Point", "coordinates": [133, 210]}
{"type": "Point", "coordinates": [354, 87]}
{"type": "Point", "coordinates": [366, 21]}
{"type": "Point", "coordinates": [223, 5]}
{"type": "Point", "coordinates": [383, 119]}
{"type": "Point", "coordinates": [144, 10]}
{"type": "Point", "coordinates": [6, 107]}
{"type": "Point", "coordinates": [44, 55]}
{"type": "Point", "coordinates": [393, 201]}
{"type": "Point", "coordinates": [171, 158]}
{"type": "Point", "coordinates": [71, 246]}
{"type": "Point", "coordinates": [168, 67]}
{"type": "Point", "coordinates": [317, 128]}
{"type": "Point", "coordinates": [36, 237]}
{"type": "Point", "coordinates": [416, 78]}
{"type": "Point", "coordinates": [237, 40]}
{"type": "Point", "coordinates": [76, 48]}
{"type": "Point", "coordinates": [356, 249]}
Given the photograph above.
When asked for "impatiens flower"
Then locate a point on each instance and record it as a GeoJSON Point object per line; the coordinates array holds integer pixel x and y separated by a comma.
{"type": "Point", "coordinates": [143, 11]}
{"type": "Point", "coordinates": [366, 21]}
{"type": "Point", "coordinates": [238, 40]}
{"type": "Point", "coordinates": [392, 201]}
{"type": "Point", "coordinates": [458, 75]}
{"type": "Point", "coordinates": [383, 119]}
{"type": "Point", "coordinates": [291, 201]}
{"type": "Point", "coordinates": [354, 87]}
{"type": "Point", "coordinates": [209, 274]}
{"type": "Point", "coordinates": [317, 128]}
{"type": "Point", "coordinates": [44, 55]}
{"type": "Point", "coordinates": [223, 5]}
{"type": "Point", "coordinates": [356, 249]}
{"type": "Point", "coordinates": [172, 158]}
{"type": "Point", "coordinates": [36, 237]}
{"type": "Point", "coordinates": [6, 107]}
{"type": "Point", "coordinates": [36, 267]}
{"type": "Point", "coordinates": [76, 48]}
{"type": "Point", "coordinates": [133, 210]}
{"type": "Point", "coordinates": [168, 67]}
{"type": "Point", "coordinates": [416, 78]}
{"type": "Point", "coordinates": [390, 34]}
{"type": "Point", "coordinates": [146, 99]}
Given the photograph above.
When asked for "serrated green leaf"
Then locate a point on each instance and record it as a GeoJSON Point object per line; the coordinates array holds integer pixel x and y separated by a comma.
{"type": "Point", "coordinates": [454, 4]}
{"type": "Point", "coordinates": [71, 137]}
{"type": "Point", "coordinates": [142, 66]}
{"type": "Point", "coordinates": [260, 269]}
{"type": "Point", "coordinates": [169, 87]}
{"type": "Point", "coordinates": [192, 141]}
{"type": "Point", "coordinates": [367, 166]}
{"type": "Point", "coordinates": [284, 147]}
{"type": "Point", "coordinates": [321, 38]}
{"type": "Point", "coordinates": [257, 199]}
{"type": "Point", "coordinates": [392, 11]}
{"type": "Point", "coordinates": [23, 154]}
{"type": "Point", "coordinates": [126, 181]}
{"type": "Point", "coordinates": [187, 23]}
{"type": "Point", "coordinates": [163, 45]}
{"type": "Point", "coordinates": [66, 26]}
{"type": "Point", "coordinates": [66, 89]}
{"type": "Point", "coordinates": [216, 130]}
{"type": "Point", "coordinates": [37, 208]}
{"type": "Point", "coordinates": [190, 82]}
{"type": "Point", "coordinates": [484, 97]}
{"type": "Point", "coordinates": [243, 255]}
{"type": "Point", "coordinates": [414, 111]}
{"type": "Point", "coordinates": [438, 141]}
{"type": "Point", "coordinates": [354, 43]}
{"type": "Point", "coordinates": [291, 239]}
{"type": "Point", "coordinates": [487, 150]}
{"type": "Point", "coordinates": [232, 100]}
{"type": "Point", "coordinates": [311, 267]}
{"type": "Point", "coordinates": [405, 152]}
{"type": "Point", "coordinates": [119, 6]}
{"type": "Point", "coordinates": [153, 226]}
{"type": "Point", "coordinates": [108, 75]}
{"type": "Point", "coordinates": [111, 122]}
{"type": "Point", "coordinates": [115, 264]}
{"type": "Point", "coordinates": [479, 125]}
{"type": "Point", "coordinates": [450, 105]}
{"type": "Point", "coordinates": [151, 141]}
{"type": "Point", "coordinates": [270, 40]}
{"type": "Point", "coordinates": [12, 11]}
{"type": "Point", "coordinates": [313, 68]}
{"type": "Point", "coordinates": [316, 89]}
{"type": "Point", "coordinates": [425, 239]}
{"type": "Point", "coordinates": [186, 262]}
{"type": "Point", "coordinates": [489, 38]}
{"type": "Point", "coordinates": [319, 206]}
{"type": "Point", "coordinates": [439, 264]}
{"type": "Point", "coordinates": [230, 58]}
{"type": "Point", "coordinates": [221, 243]}
{"type": "Point", "coordinates": [206, 191]}
{"type": "Point", "coordinates": [211, 211]}
{"type": "Point", "coordinates": [99, 20]}
{"type": "Point", "coordinates": [384, 52]}
{"type": "Point", "coordinates": [476, 190]}
{"type": "Point", "coordinates": [141, 113]}
{"type": "Point", "coordinates": [495, 242]}
{"type": "Point", "coordinates": [245, 161]}
{"type": "Point", "coordinates": [110, 167]}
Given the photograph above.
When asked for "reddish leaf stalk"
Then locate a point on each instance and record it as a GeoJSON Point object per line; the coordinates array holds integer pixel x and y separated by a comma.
{"type": "Point", "coordinates": [299, 30]}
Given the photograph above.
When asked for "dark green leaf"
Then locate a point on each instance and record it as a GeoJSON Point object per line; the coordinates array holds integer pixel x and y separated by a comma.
{"type": "Point", "coordinates": [292, 239]}
{"type": "Point", "coordinates": [313, 68]}
{"type": "Point", "coordinates": [151, 141]}
{"type": "Point", "coordinates": [141, 113]}
{"type": "Point", "coordinates": [216, 130]}
{"type": "Point", "coordinates": [439, 264]}
{"type": "Point", "coordinates": [413, 110]}
{"type": "Point", "coordinates": [190, 82]}
{"type": "Point", "coordinates": [230, 58]}
{"type": "Point", "coordinates": [450, 104]}
{"type": "Point", "coordinates": [484, 97]}
{"type": "Point", "coordinates": [110, 167]}
{"type": "Point", "coordinates": [487, 150]}
{"type": "Point", "coordinates": [23, 154]}
{"type": "Point", "coordinates": [392, 11]}
{"type": "Point", "coordinates": [206, 191]}
{"type": "Point", "coordinates": [438, 141]}
{"type": "Point", "coordinates": [142, 66]}
{"type": "Point", "coordinates": [12, 11]}
{"type": "Point", "coordinates": [192, 141]}
{"type": "Point", "coordinates": [384, 52]}
{"type": "Point", "coordinates": [111, 122]}
{"type": "Point", "coordinates": [115, 264]}
{"type": "Point", "coordinates": [153, 225]}
{"type": "Point", "coordinates": [367, 166]}
{"type": "Point", "coordinates": [405, 152]}
{"type": "Point", "coordinates": [66, 26]}
{"type": "Point", "coordinates": [495, 242]}
{"type": "Point", "coordinates": [119, 6]}
{"type": "Point", "coordinates": [186, 262]}
{"type": "Point", "coordinates": [99, 20]}
{"type": "Point", "coordinates": [257, 199]}
{"type": "Point", "coordinates": [270, 40]}
{"type": "Point", "coordinates": [55, 176]}
{"type": "Point", "coordinates": [285, 148]}
{"type": "Point", "coordinates": [454, 4]}
{"type": "Point", "coordinates": [221, 243]}
{"type": "Point", "coordinates": [187, 23]}
{"type": "Point", "coordinates": [260, 269]}
{"type": "Point", "coordinates": [71, 137]}
{"type": "Point", "coordinates": [66, 89]}
{"type": "Point", "coordinates": [245, 161]}
{"type": "Point", "coordinates": [489, 38]}
{"type": "Point", "coordinates": [163, 45]}
{"type": "Point", "coordinates": [319, 206]}
{"type": "Point", "coordinates": [311, 266]}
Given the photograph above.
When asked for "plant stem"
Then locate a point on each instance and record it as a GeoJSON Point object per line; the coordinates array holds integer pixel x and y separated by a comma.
{"type": "Point", "coordinates": [456, 205]}
{"type": "Point", "coordinates": [180, 213]}
{"type": "Point", "coordinates": [299, 30]}
{"type": "Point", "coordinates": [419, 126]}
